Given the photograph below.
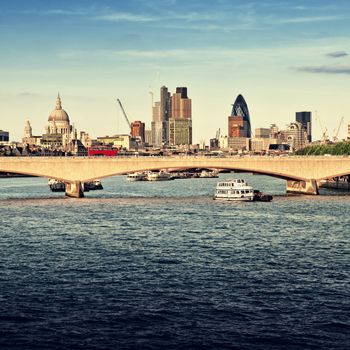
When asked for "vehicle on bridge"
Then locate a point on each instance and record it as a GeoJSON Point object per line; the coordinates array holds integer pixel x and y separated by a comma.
{"type": "Point", "coordinates": [102, 152]}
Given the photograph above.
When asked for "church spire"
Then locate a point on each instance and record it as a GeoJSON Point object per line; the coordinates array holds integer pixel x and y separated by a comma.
{"type": "Point", "coordinates": [58, 102]}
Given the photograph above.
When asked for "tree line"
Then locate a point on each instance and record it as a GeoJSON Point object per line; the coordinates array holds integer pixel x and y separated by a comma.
{"type": "Point", "coordinates": [336, 149]}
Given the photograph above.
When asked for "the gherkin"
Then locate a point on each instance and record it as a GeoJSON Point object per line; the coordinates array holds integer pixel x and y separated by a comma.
{"type": "Point", "coordinates": [240, 109]}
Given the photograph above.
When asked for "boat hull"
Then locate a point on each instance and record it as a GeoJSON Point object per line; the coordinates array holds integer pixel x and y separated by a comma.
{"type": "Point", "coordinates": [234, 199]}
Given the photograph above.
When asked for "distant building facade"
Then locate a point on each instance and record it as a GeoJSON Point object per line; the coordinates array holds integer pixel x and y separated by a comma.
{"type": "Point", "coordinates": [28, 137]}
{"type": "Point", "coordinates": [4, 136]}
{"type": "Point", "coordinates": [119, 141]}
{"type": "Point", "coordinates": [296, 136]}
{"type": "Point", "coordinates": [160, 118]}
{"type": "Point", "coordinates": [239, 143]}
{"type": "Point", "coordinates": [138, 130]}
{"type": "Point", "coordinates": [180, 121]}
{"type": "Point", "coordinates": [180, 131]}
{"type": "Point", "coordinates": [262, 133]}
{"type": "Point", "coordinates": [148, 137]}
{"type": "Point", "coordinates": [304, 118]}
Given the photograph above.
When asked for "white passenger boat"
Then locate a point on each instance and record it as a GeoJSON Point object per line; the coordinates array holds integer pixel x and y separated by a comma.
{"type": "Point", "coordinates": [138, 176]}
{"type": "Point", "coordinates": [234, 190]}
{"type": "Point", "coordinates": [159, 176]}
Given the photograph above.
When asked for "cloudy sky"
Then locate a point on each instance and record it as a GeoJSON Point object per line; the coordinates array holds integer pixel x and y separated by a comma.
{"type": "Point", "coordinates": [283, 56]}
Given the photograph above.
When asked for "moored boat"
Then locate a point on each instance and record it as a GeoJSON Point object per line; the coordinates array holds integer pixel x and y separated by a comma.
{"type": "Point", "coordinates": [159, 176]}
{"type": "Point", "coordinates": [138, 176]}
{"type": "Point", "coordinates": [95, 185]}
{"type": "Point", "coordinates": [208, 174]}
{"type": "Point", "coordinates": [56, 185]}
{"type": "Point", "coordinates": [60, 186]}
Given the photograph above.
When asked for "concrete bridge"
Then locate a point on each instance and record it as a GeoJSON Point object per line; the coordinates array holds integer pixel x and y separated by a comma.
{"type": "Point", "coordinates": [303, 174]}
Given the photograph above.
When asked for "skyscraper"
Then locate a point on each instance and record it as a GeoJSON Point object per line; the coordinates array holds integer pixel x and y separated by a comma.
{"type": "Point", "coordinates": [180, 122]}
{"type": "Point", "coordinates": [305, 119]}
{"type": "Point", "coordinates": [160, 118]}
{"type": "Point", "coordinates": [239, 121]}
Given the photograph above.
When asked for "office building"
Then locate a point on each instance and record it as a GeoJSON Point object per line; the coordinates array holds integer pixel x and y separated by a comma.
{"type": "Point", "coordinates": [239, 143]}
{"type": "Point", "coordinates": [148, 136]}
{"type": "Point", "coordinates": [122, 141]}
{"type": "Point", "coordinates": [262, 133]}
{"type": "Point", "coordinates": [295, 136]}
{"type": "Point", "coordinates": [304, 118]}
{"type": "Point", "coordinates": [4, 136]}
{"type": "Point", "coordinates": [138, 130]}
{"type": "Point", "coordinates": [161, 111]}
{"type": "Point", "coordinates": [180, 131]}
{"type": "Point", "coordinates": [239, 120]}
{"type": "Point", "coordinates": [180, 121]}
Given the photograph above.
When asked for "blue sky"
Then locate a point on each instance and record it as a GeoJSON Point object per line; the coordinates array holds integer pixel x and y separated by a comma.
{"type": "Point", "coordinates": [282, 56]}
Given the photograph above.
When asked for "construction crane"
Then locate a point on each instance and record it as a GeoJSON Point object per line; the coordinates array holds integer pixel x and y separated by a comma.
{"type": "Point", "coordinates": [325, 137]}
{"type": "Point", "coordinates": [124, 113]}
{"type": "Point", "coordinates": [335, 137]}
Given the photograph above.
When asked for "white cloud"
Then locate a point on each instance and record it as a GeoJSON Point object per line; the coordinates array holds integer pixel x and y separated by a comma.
{"type": "Point", "coordinates": [308, 19]}
{"type": "Point", "coordinates": [125, 17]}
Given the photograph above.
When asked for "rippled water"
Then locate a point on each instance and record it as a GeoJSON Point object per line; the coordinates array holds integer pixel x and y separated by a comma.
{"type": "Point", "coordinates": [163, 266]}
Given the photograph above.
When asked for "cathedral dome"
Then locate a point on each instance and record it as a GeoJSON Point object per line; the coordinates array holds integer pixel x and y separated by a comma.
{"type": "Point", "coordinates": [58, 114]}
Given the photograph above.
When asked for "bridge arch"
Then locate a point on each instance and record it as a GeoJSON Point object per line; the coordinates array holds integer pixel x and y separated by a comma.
{"type": "Point", "coordinates": [234, 169]}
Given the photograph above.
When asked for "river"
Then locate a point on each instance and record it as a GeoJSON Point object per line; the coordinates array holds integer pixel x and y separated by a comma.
{"type": "Point", "coordinates": [164, 266]}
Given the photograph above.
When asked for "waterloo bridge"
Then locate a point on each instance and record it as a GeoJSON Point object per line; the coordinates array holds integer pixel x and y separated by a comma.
{"type": "Point", "coordinates": [303, 174]}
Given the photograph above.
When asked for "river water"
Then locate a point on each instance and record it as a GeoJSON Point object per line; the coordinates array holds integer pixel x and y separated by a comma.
{"type": "Point", "coordinates": [164, 266]}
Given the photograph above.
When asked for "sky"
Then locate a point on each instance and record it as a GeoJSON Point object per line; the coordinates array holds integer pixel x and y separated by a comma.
{"type": "Point", "coordinates": [282, 56]}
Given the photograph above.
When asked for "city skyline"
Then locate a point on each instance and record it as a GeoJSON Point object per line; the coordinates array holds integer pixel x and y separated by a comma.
{"type": "Point", "coordinates": [282, 58]}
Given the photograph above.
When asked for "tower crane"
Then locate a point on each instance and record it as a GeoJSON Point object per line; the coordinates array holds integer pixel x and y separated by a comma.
{"type": "Point", "coordinates": [324, 130]}
{"type": "Point", "coordinates": [124, 113]}
{"type": "Point", "coordinates": [335, 137]}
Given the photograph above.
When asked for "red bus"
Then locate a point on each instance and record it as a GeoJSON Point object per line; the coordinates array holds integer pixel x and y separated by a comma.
{"type": "Point", "coordinates": [102, 152]}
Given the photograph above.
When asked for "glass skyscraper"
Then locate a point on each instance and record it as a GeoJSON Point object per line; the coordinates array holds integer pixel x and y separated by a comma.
{"type": "Point", "coordinates": [304, 118]}
{"type": "Point", "coordinates": [239, 121]}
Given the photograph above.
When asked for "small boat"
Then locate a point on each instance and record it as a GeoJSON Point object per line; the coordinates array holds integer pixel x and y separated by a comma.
{"type": "Point", "coordinates": [56, 185]}
{"type": "Point", "coordinates": [138, 176]}
{"type": "Point", "coordinates": [60, 186]}
{"type": "Point", "coordinates": [261, 196]}
{"type": "Point", "coordinates": [95, 185]}
{"type": "Point", "coordinates": [234, 190]}
{"type": "Point", "coordinates": [208, 174]}
{"type": "Point", "coordinates": [159, 176]}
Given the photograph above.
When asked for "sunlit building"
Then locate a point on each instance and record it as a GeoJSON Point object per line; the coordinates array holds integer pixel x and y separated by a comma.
{"type": "Point", "coordinates": [160, 118]}
{"type": "Point", "coordinates": [58, 131]}
{"type": "Point", "coordinates": [138, 130]}
{"type": "Point", "coordinates": [180, 121]}
{"type": "Point", "coordinates": [296, 136]}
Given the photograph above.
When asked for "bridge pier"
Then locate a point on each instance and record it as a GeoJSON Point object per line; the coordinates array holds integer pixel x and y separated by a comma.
{"type": "Point", "coordinates": [75, 189]}
{"type": "Point", "coordinates": [303, 187]}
